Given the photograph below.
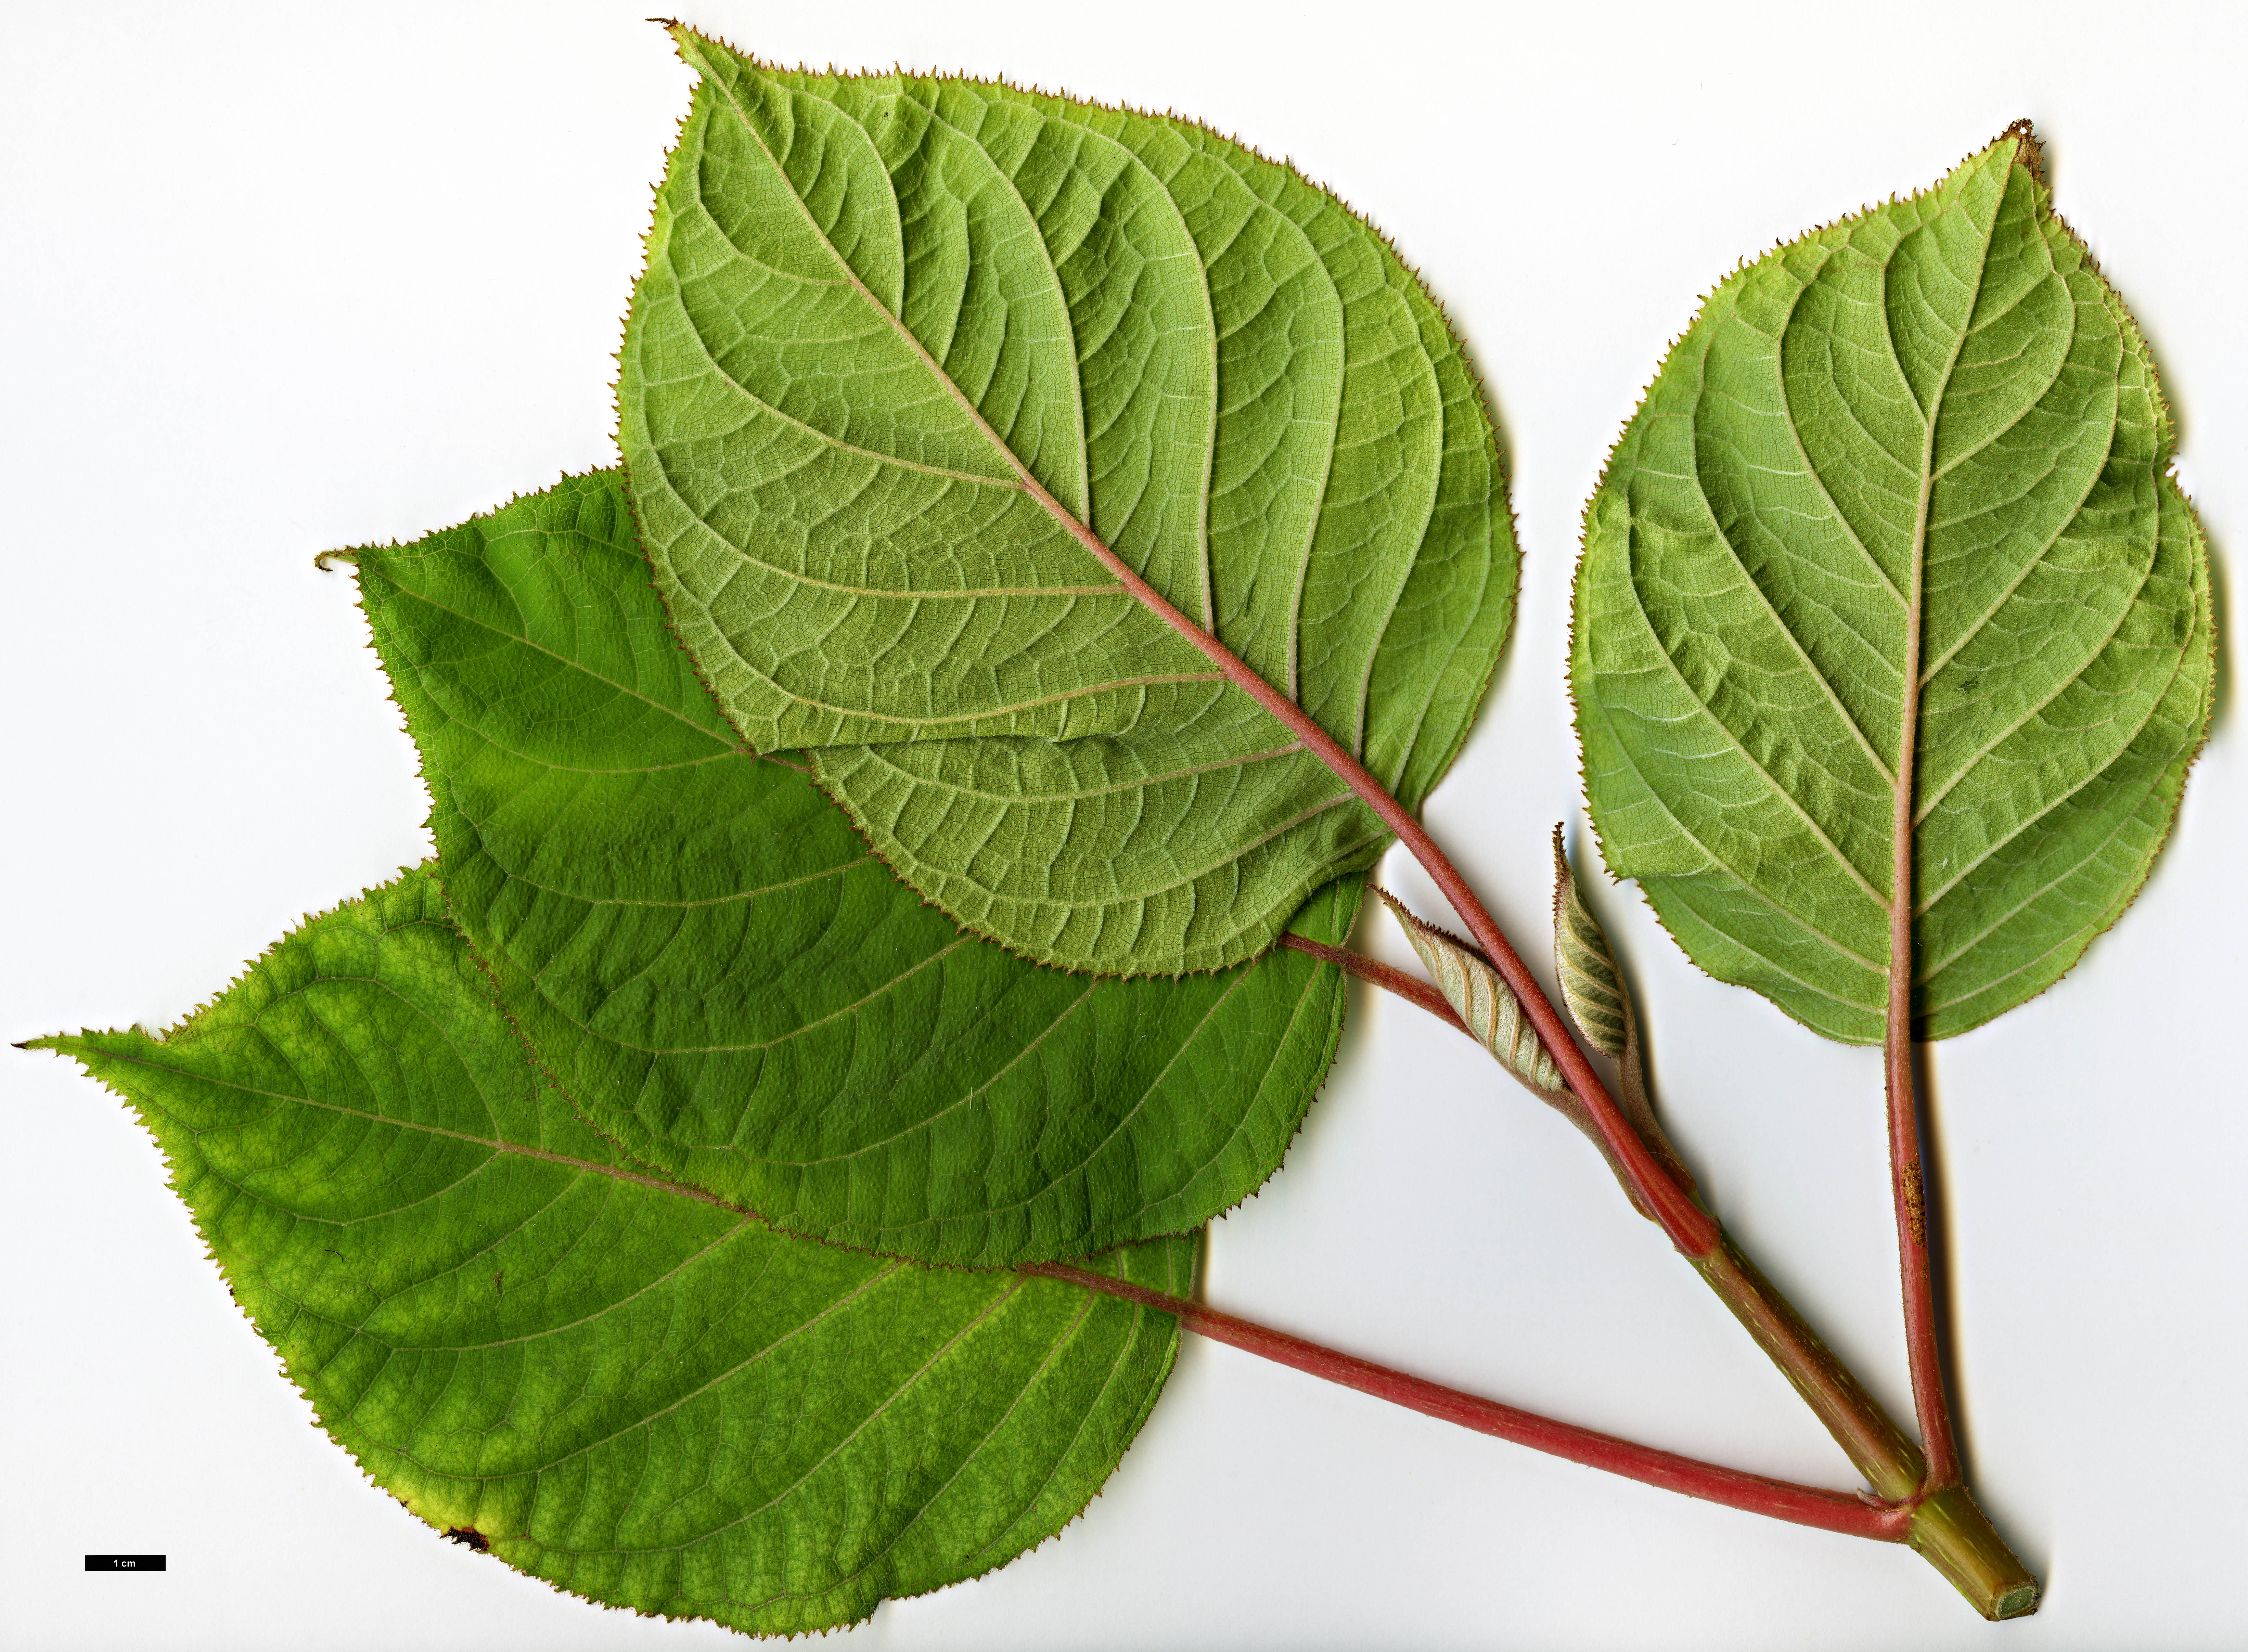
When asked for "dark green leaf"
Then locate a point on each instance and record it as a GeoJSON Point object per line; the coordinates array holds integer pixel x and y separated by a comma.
{"type": "Point", "coordinates": [707, 958]}
{"type": "Point", "coordinates": [616, 1383]}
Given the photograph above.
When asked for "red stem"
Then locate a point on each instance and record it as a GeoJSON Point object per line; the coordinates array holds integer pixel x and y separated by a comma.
{"type": "Point", "coordinates": [1689, 1226]}
{"type": "Point", "coordinates": [1888, 1461]}
{"type": "Point", "coordinates": [1908, 1192]}
{"type": "Point", "coordinates": [1780, 1499]}
{"type": "Point", "coordinates": [1376, 973]}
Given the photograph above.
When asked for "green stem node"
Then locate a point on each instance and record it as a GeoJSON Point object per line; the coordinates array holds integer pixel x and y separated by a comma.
{"type": "Point", "coordinates": [1954, 1535]}
{"type": "Point", "coordinates": [1947, 1527]}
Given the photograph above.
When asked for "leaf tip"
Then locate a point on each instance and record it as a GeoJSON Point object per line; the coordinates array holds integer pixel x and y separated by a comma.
{"type": "Point", "coordinates": [1560, 870]}
{"type": "Point", "coordinates": [2028, 150]}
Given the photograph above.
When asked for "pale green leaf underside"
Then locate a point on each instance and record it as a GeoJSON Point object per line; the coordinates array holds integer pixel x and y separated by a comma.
{"type": "Point", "coordinates": [630, 1391]}
{"type": "Point", "coordinates": [706, 957]}
{"type": "Point", "coordinates": [875, 308]}
{"type": "Point", "coordinates": [1941, 396]}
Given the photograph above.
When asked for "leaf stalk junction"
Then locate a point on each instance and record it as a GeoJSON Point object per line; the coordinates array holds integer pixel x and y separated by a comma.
{"type": "Point", "coordinates": [1916, 1500]}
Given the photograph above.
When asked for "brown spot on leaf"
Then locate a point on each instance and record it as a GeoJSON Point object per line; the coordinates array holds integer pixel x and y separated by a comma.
{"type": "Point", "coordinates": [470, 1536]}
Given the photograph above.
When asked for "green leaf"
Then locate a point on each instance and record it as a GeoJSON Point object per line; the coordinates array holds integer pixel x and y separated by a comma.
{"type": "Point", "coordinates": [1894, 537]}
{"type": "Point", "coordinates": [707, 960]}
{"type": "Point", "coordinates": [618, 1384]}
{"type": "Point", "coordinates": [900, 340]}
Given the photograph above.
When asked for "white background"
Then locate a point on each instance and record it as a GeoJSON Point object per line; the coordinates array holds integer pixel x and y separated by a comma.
{"type": "Point", "coordinates": [282, 279]}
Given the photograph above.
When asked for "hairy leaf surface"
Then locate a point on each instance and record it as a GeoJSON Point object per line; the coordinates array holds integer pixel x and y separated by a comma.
{"type": "Point", "coordinates": [900, 340]}
{"type": "Point", "coordinates": [706, 957]}
{"type": "Point", "coordinates": [620, 1385]}
{"type": "Point", "coordinates": [1892, 537]}
{"type": "Point", "coordinates": [1584, 966]}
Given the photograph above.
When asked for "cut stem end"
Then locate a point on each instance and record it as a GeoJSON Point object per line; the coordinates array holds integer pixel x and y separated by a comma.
{"type": "Point", "coordinates": [1956, 1538]}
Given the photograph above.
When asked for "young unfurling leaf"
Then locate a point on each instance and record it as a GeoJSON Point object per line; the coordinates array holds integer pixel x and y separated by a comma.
{"type": "Point", "coordinates": [1599, 1001]}
{"type": "Point", "coordinates": [1484, 1002]}
{"type": "Point", "coordinates": [1591, 986]}
{"type": "Point", "coordinates": [1492, 1015]}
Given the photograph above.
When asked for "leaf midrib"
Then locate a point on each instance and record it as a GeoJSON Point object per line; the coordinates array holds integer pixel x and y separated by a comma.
{"type": "Point", "coordinates": [497, 1145]}
{"type": "Point", "coordinates": [893, 1267]}
{"type": "Point", "coordinates": [727, 746]}
{"type": "Point", "coordinates": [1026, 480]}
{"type": "Point", "coordinates": [1906, 817]}
{"type": "Point", "coordinates": [1901, 823]}
{"type": "Point", "coordinates": [1029, 483]}
{"type": "Point", "coordinates": [930, 1121]}
{"type": "Point", "coordinates": [654, 1282]}
{"type": "Point", "coordinates": [835, 871]}
{"type": "Point", "coordinates": [890, 985]}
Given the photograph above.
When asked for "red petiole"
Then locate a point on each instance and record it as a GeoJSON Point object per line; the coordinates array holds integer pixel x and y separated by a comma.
{"type": "Point", "coordinates": [1376, 973]}
{"type": "Point", "coordinates": [1781, 1499]}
